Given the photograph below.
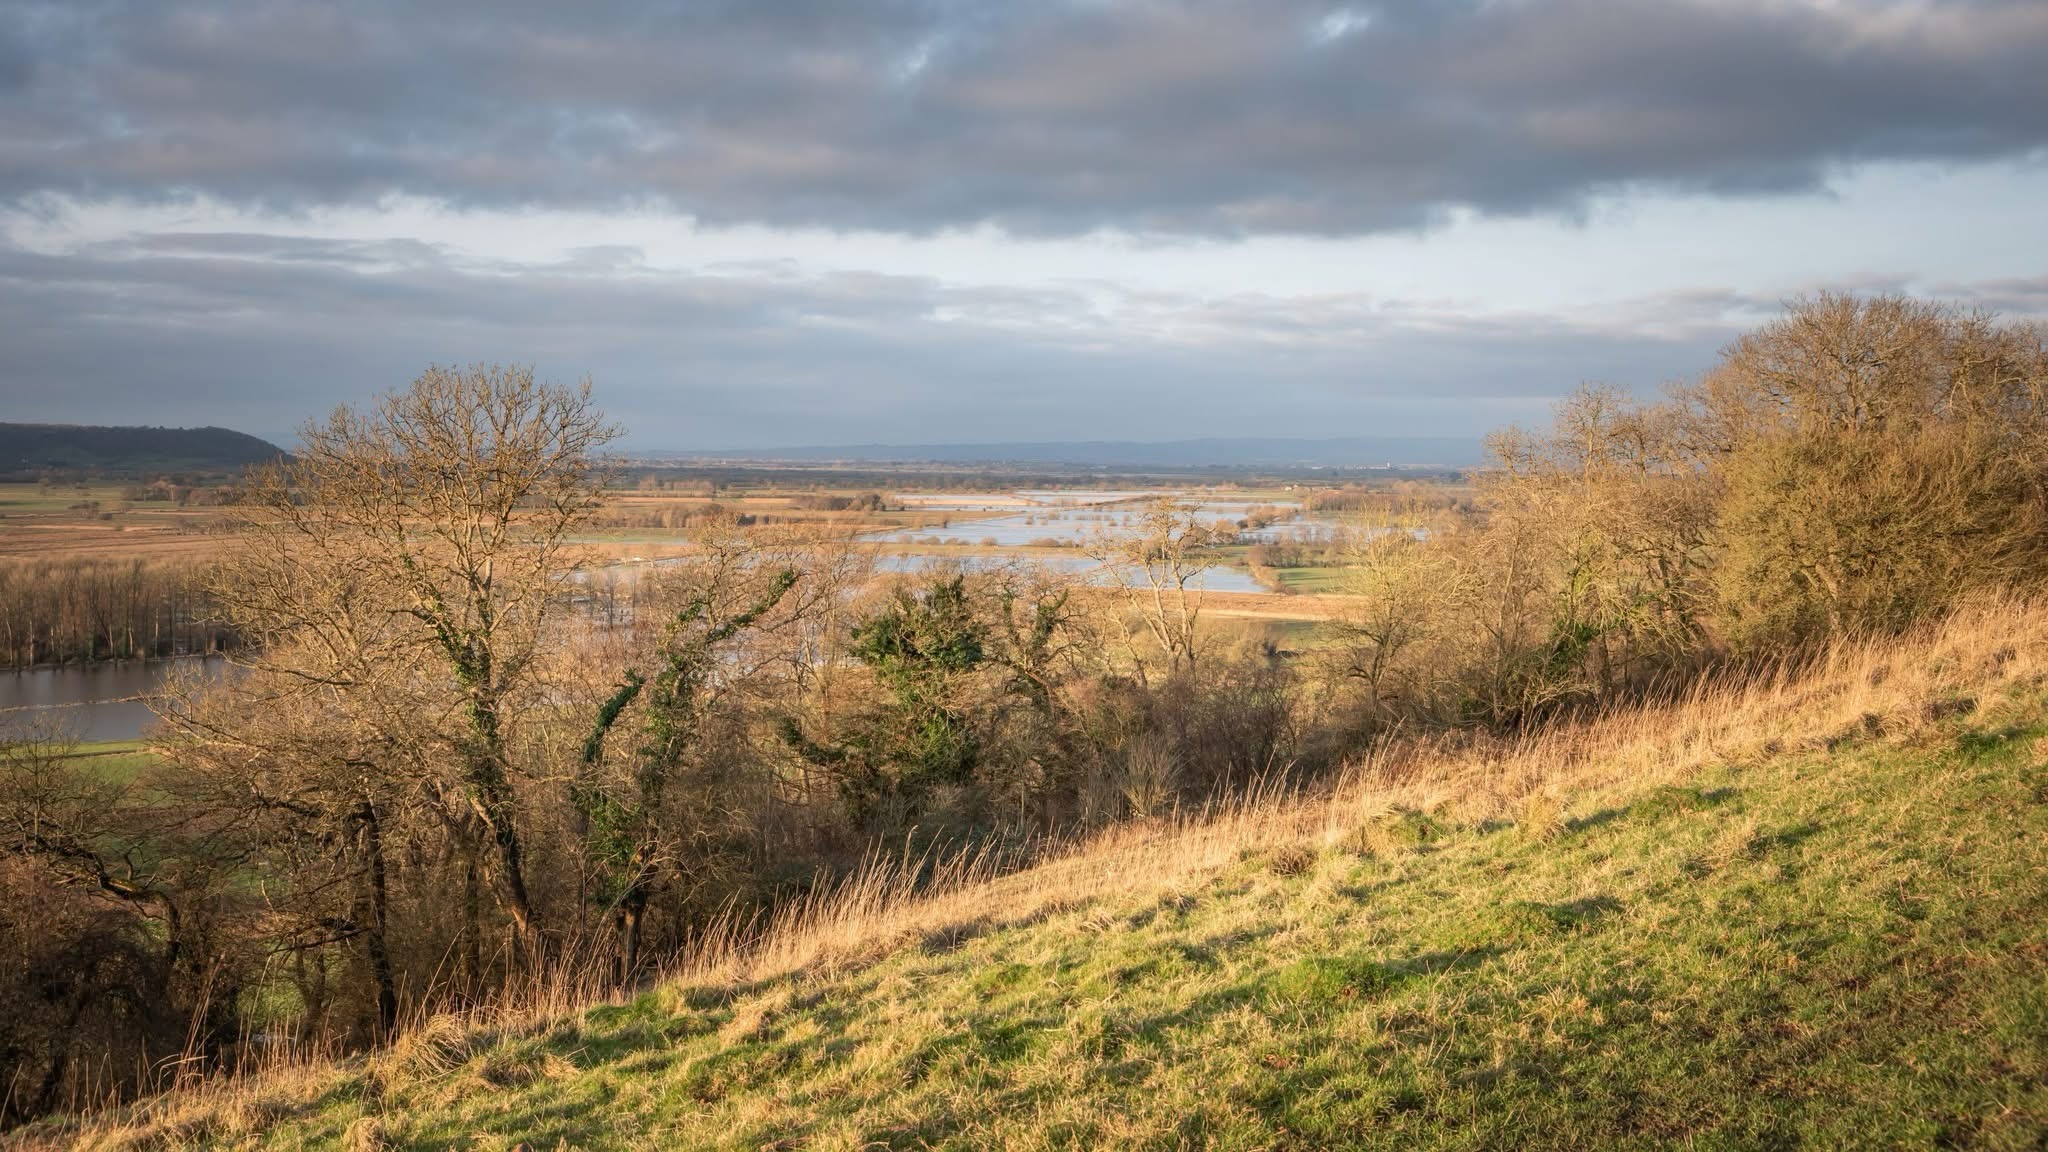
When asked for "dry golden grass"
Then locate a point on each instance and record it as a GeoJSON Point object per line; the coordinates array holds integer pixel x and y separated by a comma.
{"type": "Point", "coordinates": [1881, 690]}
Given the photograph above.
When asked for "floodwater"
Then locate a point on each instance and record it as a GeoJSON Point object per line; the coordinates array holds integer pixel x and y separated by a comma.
{"type": "Point", "coordinates": [1218, 579]}
{"type": "Point", "coordinates": [92, 702]}
{"type": "Point", "coordinates": [1070, 517]}
{"type": "Point", "coordinates": [1078, 523]}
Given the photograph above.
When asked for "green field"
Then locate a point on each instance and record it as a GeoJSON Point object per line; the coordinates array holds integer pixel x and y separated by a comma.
{"type": "Point", "coordinates": [117, 760]}
{"type": "Point", "coordinates": [19, 498]}
{"type": "Point", "coordinates": [1831, 948]}
{"type": "Point", "coordinates": [1315, 579]}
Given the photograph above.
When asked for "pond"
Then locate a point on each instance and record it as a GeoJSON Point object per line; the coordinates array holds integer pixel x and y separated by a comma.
{"type": "Point", "coordinates": [94, 702]}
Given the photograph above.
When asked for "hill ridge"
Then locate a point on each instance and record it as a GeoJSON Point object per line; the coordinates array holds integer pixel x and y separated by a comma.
{"type": "Point", "coordinates": [128, 449]}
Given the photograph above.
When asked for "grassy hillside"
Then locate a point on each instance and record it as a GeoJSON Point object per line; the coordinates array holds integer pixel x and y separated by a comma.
{"type": "Point", "coordinates": [1804, 909]}
{"type": "Point", "coordinates": [27, 449]}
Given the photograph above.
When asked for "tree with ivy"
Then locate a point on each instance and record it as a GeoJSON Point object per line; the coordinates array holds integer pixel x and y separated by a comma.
{"type": "Point", "coordinates": [627, 839]}
{"type": "Point", "coordinates": [922, 647]}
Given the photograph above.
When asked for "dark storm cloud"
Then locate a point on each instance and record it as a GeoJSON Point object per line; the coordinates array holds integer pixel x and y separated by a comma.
{"type": "Point", "coordinates": [1186, 116]}
{"type": "Point", "coordinates": [260, 332]}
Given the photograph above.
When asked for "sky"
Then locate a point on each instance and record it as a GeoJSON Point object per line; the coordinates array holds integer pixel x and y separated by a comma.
{"type": "Point", "coordinates": [819, 222]}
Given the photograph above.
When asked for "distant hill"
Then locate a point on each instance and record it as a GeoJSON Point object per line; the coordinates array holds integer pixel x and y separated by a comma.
{"type": "Point", "coordinates": [34, 448]}
{"type": "Point", "coordinates": [1223, 452]}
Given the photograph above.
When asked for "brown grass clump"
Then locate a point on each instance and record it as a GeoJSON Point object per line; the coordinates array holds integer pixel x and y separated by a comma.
{"type": "Point", "coordinates": [1540, 816]}
{"type": "Point", "coordinates": [435, 1047]}
{"type": "Point", "coordinates": [366, 1134]}
{"type": "Point", "coordinates": [1291, 860]}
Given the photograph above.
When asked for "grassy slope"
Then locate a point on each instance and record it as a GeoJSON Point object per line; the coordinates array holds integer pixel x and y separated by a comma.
{"type": "Point", "coordinates": [1839, 949]}
{"type": "Point", "coordinates": [1840, 944]}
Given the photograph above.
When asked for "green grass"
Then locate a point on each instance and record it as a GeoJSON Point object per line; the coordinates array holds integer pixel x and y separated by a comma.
{"type": "Point", "coordinates": [1315, 579]}
{"type": "Point", "coordinates": [1836, 949]}
{"type": "Point", "coordinates": [24, 499]}
{"type": "Point", "coordinates": [115, 760]}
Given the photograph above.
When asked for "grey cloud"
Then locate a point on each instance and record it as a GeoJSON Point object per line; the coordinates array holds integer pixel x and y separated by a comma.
{"type": "Point", "coordinates": [260, 332]}
{"type": "Point", "coordinates": [1216, 117]}
{"type": "Point", "coordinates": [17, 62]}
{"type": "Point", "coordinates": [2019, 297]}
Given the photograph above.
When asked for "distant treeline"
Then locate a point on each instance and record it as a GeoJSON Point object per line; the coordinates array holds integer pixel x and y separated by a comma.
{"type": "Point", "coordinates": [63, 611]}
{"type": "Point", "coordinates": [1401, 499]}
{"type": "Point", "coordinates": [708, 479]}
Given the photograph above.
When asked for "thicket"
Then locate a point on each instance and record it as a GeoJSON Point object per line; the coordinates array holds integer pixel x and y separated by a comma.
{"type": "Point", "coordinates": [1850, 468]}
{"type": "Point", "coordinates": [450, 770]}
{"type": "Point", "coordinates": [59, 611]}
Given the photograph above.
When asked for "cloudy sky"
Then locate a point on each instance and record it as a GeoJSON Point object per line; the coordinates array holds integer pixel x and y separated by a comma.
{"type": "Point", "coordinates": [759, 224]}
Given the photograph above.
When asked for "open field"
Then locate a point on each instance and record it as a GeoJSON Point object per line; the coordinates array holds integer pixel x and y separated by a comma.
{"type": "Point", "coordinates": [115, 760]}
{"type": "Point", "coordinates": [1797, 909]}
{"type": "Point", "coordinates": [98, 520]}
{"type": "Point", "coordinates": [1321, 579]}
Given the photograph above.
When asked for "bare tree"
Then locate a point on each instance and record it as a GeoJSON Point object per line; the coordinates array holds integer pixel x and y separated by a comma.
{"type": "Point", "coordinates": [307, 785]}
{"type": "Point", "coordinates": [625, 823]}
{"type": "Point", "coordinates": [1157, 565]}
{"type": "Point", "coordinates": [109, 918]}
{"type": "Point", "coordinates": [1402, 594]}
{"type": "Point", "coordinates": [740, 616]}
{"type": "Point", "coordinates": [409, 558]}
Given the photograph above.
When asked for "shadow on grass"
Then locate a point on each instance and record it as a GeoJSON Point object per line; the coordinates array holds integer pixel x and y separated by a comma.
{"type": "Point", "coordinates": [1669, 800]}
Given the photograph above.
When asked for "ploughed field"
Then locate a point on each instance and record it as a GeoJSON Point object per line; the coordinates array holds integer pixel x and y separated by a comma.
{"type": "Point", "coordinates": [100, 520]}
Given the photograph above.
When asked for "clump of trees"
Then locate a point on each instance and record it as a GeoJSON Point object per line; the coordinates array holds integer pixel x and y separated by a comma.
{"type": "Point", "coordinates": [453, 762]}
{"type": "Point", "coordinates": [1874, 460]}
{"type": "Point", "coordinates": [1852, 467]}
{"type": "Point", "coordinates": [862, 502]}
{"type": "Point", "coordinates": [82, 609]}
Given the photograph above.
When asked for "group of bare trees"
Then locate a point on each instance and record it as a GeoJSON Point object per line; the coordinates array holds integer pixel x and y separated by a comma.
{"type": "Point", "coordinates": [59, 611]}
{"type": "Point", "coordinates": [448, 763]}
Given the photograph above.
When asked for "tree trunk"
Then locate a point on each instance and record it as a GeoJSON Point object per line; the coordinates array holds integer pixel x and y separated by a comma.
{"type": "Point", "coordinates": [470, 970]}
{"type": "Point", "coordinates": [633, 916]}
{"type": "Point", "coordinates": [377, 911]}
{"type": "Point", "coordinates": [492, 791]}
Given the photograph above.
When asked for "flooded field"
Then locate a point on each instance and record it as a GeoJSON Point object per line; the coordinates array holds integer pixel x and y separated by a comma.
{"type": "Point", "coordinates": [93, 702]}
{"type": "Point", "coordinates": [1218, 579]}
{"type": "Point", "coordinates": [1058, 519]}
{"type": "Point", "coordinates": [1028, 524]}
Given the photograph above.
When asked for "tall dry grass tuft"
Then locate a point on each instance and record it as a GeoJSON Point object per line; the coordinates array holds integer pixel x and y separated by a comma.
{"type": "Point", "coordinates": [1875, 688]}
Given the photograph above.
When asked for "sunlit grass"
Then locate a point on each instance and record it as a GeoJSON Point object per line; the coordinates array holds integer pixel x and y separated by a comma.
{"type": "Point", "coordinates": [1324, 579]}
{"type": "Point", "coordinates": [115, 760]}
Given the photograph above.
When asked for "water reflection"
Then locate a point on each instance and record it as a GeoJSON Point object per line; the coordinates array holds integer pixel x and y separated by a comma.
{"type": "Point", "coordinates": [93, 702]}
